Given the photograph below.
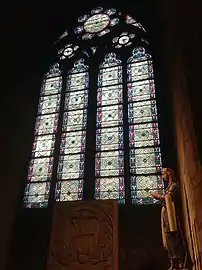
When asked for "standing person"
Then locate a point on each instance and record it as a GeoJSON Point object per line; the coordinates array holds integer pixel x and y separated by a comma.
{"type": "Point", "coordinates": [170, 222]}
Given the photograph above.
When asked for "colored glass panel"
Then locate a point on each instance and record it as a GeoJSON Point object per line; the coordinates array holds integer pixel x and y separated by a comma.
{"type": "Point", "coordinates": [109, 159]}
{"type": "Point", "coordinates": [73, 142]}
{"type": "Point", "coordinates": [110, 76]}
{"type": "Point", "coordinates": [70, 171]}
{"type": "Point", "coordinates": [77, 81]}
{"type": "Point", "coordinates": [41, 164]}
{"type": "Point", "coordinates": [144, 135]}
{"type": "Point", "coordinates": [71, 190]}
{"type": "Point", "coordinates": [109, 163]}
{"type": "Point", "coordinates": [110, 116]}
{"type": "Point", "coordinates": [71, 166]}
{"type": "Point", "coordinates": [37, 194]}
{"type": "Point", "coordinates": [110, 188]}
{"type": "Point", "coordinates": [74, 120]}
{"type": "Point", "coordinates": [110, 11]}
{"type": "Point", "coordinates": [43, 145]}
{"type": "Point", "coordinates": [144, 153]}
{"type": "Point", "coordinates": [145, 160]}
{"type": "Point", "coordinates": [96, 23]}
{"type": "Point", "coordinates": [40, 169]}
{"type": "Point", "coordinates": [144, 111]}
{"type": "Point", "coordinates": [103, 32]}
{"type": "Point", "coordinates": [46, 124]}
{"type": "Point", "coordinates": [51, 86]}
{"type": "Point", "coordinates": [109, 138]}
{"type": "Point", "coordinates": [140, 71]}
{"type": "Point", "coordinates": [141, 186]}
{"type": "Point", "coordinates": [76, 100]}
{"type": "Point", "coordinates": [49, 104]}
{"type": "Point", "coordinates": [142, 90]}
{"type": "Point", "coordinates": [110, 95]}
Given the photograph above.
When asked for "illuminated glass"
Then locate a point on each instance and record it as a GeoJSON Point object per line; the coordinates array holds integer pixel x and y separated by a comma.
{"type": "Point", "coordinates": [109, 159]}
{"type": "Point", "coordinates": [70, 171]}
{"type": "Point", "coordinates": [37, 194]}
{"type": "Point", "coordinates": [144, 143]}
{"type": "Point", "coordinates": [96, 23]}
{"type": "Point", "coordinates": [41, 165]}
{"type": "Point", "coordinates": [40, 169]}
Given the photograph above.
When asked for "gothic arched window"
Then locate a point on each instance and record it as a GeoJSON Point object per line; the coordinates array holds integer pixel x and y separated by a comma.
{"type": "Point", "coordinates": [103, 71]}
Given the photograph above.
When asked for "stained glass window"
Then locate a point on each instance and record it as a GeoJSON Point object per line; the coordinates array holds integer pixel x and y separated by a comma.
{"type": "Point", "coordinates": [68, 51]}
{"type": "Point", "coordinates": [125, 109]}
{"type": "Point", "coordinates": [70, 172]}
{"type": "Point", "coordinates": [41, 164]}
{"type": "Point", "coordinates": [97, 23]}
{"type": "Point", "coordinates": [144, 144]}
{"type": "Point", "coordinates": [130, 20]}
{"type": "Point", "coordinates": [125, 39]}
{"type": "Point", "coordinates": [109, 160]}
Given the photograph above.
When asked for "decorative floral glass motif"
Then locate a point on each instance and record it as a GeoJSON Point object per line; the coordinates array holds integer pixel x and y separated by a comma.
{"type": "Point", "coordinates": [73, 138]}
{"type": "Point", "coordinates": [144, 154]}
{"type": "Point", "coordinates": [37, 194]}
{"type": "Point", "coordinates": [130, 20]}
{"type": "Point", "coordinates": [68, 51]}
{"type": "Point", "coordinates": [109, 159]}
{"type": "Point", "coordinates": [61, 36]}
{"type": "Point", "coordinates": [123, 40]}
{"type": "Point", "coordinates": [41, 164]}
{"type": "Point", "coordinates": [97, 23]}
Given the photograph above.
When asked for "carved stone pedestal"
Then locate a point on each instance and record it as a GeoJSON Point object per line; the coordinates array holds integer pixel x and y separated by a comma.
{"type": "Point", "coordinates": [84, 236]}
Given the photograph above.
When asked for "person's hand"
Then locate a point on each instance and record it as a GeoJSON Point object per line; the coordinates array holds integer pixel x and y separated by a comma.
{"type": "Point", "coordinates": [154, 193]}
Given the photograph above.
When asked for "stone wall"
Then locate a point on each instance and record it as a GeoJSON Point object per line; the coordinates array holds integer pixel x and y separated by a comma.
{"type": "Point", "coordinates": [183, 71]}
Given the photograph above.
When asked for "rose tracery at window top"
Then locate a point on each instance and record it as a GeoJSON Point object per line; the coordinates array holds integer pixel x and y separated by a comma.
{"type": "Point", "coordinates": [124, 39]}
{"type": "Point", "coordinates": [97, 23]}
{"type": "Point", "coordinates": [131, 20]}
{"type": "Point", "coordinates": [68, 51]}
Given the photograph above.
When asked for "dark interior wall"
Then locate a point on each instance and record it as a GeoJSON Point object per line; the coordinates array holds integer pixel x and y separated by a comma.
{"type": "Point", "coordinates": [34, 28]}
{"type": "Point", "coordinates": [183, 45]}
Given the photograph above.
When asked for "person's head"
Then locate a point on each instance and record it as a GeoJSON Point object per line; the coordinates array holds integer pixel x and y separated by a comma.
{"type": "Point", "coordinates": [168, 175]}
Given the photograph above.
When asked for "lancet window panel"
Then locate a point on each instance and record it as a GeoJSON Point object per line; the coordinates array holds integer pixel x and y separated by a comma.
{"type": "Point", "coordinates": [41, 164]}
{"type": "Point", "coordinates": [109, 159]}
{"type": "Point", "coordinates": [144, 144]}
{"type": "Point", "coordinates": [70, 172]}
